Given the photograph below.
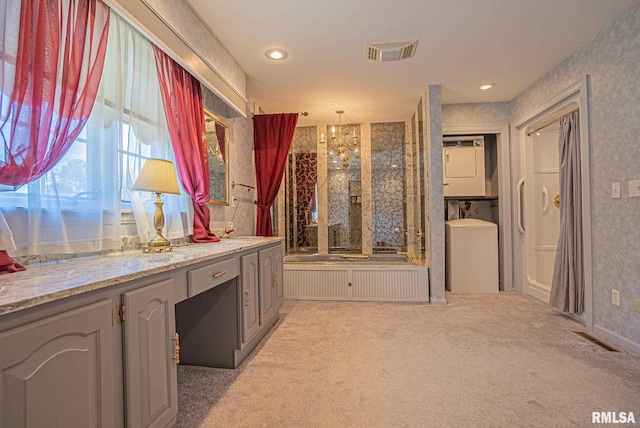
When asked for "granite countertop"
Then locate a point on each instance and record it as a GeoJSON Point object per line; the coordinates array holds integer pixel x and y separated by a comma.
{"type": "Point", "coordinates": [48, 282]}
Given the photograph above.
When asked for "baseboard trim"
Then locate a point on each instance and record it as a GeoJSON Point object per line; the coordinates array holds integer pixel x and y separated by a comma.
{"type": "Point", "coordinates": [438, 302]}
{"type": "Point", "coordinates": [617, 339]}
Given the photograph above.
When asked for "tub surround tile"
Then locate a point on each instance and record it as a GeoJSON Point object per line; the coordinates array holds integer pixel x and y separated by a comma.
{"type": "Point", "coordinates": [409, 185]}
{"type": "Point", "coordinates": [365, 156]}
{"type": "Point", "coordinates": [323, 224]}
{"type": "Point", "coordinates": [40, 284]}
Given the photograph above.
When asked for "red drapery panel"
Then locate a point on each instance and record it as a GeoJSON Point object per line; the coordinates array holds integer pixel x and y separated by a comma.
{"type": "Point", "coordinates": [272, 136]}
{"type": "Point", "coordinates": [183, 106]}
{"type": "Point", "coordinates": [58, 65]}
{"type": "Point", "coordinates": [220, 135]}
{"type": "Point", "coordinates": [58, 68]}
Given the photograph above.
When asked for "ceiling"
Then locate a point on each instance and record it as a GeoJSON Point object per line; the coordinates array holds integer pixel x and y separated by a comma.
{"type": "Point", "coordinates": [461, 45]}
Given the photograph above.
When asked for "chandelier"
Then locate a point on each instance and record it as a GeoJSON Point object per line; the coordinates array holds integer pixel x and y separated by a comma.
{"type": "Point", "coordinates": [341, 145]}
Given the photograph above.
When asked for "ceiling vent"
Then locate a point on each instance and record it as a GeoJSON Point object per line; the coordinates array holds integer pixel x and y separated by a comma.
{"type": "Point", "coordinates": [391, 51]}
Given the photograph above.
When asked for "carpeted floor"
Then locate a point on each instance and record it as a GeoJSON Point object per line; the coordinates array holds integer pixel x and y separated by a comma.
{"type": "Point", "coordinates": [480, 361]}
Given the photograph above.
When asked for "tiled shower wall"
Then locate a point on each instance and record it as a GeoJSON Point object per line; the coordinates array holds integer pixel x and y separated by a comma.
{"type": "Point", "coordinates": [375, 216]}
{"type": "Point", "coordinates": [388, 185]}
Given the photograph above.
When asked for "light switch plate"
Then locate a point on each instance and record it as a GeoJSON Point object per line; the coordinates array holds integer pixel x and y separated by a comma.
{"type": "Point", "coordinates": [634, 189]}
{"type": "Point", "coordinates": [615, 190]}
{"type": "Point", "coordinates": [635, 304]}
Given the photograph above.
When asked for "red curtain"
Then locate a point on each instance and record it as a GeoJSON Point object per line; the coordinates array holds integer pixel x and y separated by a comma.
{"type": "Point", "coordinates": [220, 135]}
{"type": "Point", "coordinates": [58, 65]}
{"type": "Point", "coordinates": [272, 136]}
{"type": "Point", "coordinates": [183, 106]}
{"type": "Point", "coordinates": [58, 70]}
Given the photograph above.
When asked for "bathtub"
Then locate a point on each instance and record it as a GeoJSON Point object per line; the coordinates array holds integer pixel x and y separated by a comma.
{"type": "Point", "coordinates": [378, 277]}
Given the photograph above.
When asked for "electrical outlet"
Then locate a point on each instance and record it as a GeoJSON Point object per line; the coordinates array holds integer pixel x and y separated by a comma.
{"type": "Point", "coordinates": [615, 297]}
{"type": "Point", "coordinates": [615, 191]}
{"type": "Point", "coordinates": [635, 305]}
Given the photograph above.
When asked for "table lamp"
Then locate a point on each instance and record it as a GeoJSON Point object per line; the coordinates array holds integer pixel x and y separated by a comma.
{"type": "Point", "coordinates": [158, 176]}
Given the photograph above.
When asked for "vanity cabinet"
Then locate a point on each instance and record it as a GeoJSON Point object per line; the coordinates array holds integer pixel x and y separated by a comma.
{"type": "Point", "coordinates": [107, 356]}
{"type": "Point", "coordinates": [271, 283]}
{"type": "Point", "coordinates": [249, 298]}
{"type": "Point", "coordinates": [59, 371]}
{"type": "Point", "coordinates": [151, 355]}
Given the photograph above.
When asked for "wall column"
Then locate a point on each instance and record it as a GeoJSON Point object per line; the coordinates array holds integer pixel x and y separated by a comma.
{"type": "Point", "coordinates": [435, 194]}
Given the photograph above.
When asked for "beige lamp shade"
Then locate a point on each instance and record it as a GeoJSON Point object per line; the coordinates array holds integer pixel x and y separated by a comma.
{"type": "Point", "coordinates": [159, 176]}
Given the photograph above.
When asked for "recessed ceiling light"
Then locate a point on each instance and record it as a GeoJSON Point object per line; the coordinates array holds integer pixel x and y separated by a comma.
{"type": "Point", "coordinates": [487, 86]}
{"type": "Point", "coordinates": [276, 54]}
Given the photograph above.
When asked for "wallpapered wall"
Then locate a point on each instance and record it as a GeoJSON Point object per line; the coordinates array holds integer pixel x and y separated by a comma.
{"type": "Point", "coordinates": [476, 114]}
{"type": "Point", "coordinates": [612, 60]}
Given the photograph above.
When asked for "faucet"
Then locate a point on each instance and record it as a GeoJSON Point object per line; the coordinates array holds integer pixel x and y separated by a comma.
{"type": "Point", "coordinates": [228, 230]}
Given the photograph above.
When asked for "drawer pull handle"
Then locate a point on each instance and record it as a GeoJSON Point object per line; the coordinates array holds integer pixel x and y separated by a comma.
{"type": "Point", "coordinates": [219, 274]}
{"type": "Point", "coordinates": [246, 300]}
{"type": "Point", "coordinates": [274, 281]}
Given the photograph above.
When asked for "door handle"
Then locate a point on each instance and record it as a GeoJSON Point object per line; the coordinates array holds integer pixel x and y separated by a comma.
{"type": "Point", "coordinates": [519, 204]}
{"type": "Point", "coordinates": [545, 199]}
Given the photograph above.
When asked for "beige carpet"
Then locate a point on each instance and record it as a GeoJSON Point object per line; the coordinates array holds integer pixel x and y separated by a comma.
{"type": "Point", "coordinates": [481, 361]}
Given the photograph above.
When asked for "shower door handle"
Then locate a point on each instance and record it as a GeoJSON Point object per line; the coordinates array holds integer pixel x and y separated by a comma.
{"type": "Point", "coordinates": [419, 234]}
{"type": "Point", "coordinates": [519, 204]}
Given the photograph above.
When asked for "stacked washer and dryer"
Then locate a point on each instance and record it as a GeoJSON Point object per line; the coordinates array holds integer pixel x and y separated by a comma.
{"type": "Point", "coordinates": [471, 244]}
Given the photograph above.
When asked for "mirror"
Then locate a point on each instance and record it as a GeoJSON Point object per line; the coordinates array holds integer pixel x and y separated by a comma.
{"type": "Point", "coordinates": [217, 134]}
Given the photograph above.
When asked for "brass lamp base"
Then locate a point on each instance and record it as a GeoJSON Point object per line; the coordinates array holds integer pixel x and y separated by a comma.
{"type": "Point", "coordinates": [159, 244]}
{"type": "Point", "coordinates": [153, 249]}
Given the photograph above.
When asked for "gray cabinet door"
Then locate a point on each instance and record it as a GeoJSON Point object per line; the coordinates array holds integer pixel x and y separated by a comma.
{"type": "Point", "coordinates": [278, 269]}
{"type": "Point", "coordinates": [58, 372]}
{"type": "Point", "coordinates": [267, 308]}
{"type": "Point", "coordinates": [150, 367]}
{"type": "Point", "coordinates": [249, 298]}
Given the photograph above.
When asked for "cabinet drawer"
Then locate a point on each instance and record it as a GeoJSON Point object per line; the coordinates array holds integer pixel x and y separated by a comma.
{"type": "Point", "coordinates": [207, 277]}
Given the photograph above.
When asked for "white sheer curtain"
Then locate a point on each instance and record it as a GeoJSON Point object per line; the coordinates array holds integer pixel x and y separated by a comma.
{"type": "Point", "coordinates": [132, 114]}
{"type": "Point", "coordinates": [75, 207]}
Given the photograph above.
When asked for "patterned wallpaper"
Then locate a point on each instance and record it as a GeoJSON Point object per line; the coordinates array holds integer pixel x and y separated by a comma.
{"type": "Point", "coordinates": [387, 181]}
{"type": "Point", "coordinates": [476, 114]}
{"type": "Point", "coordinates": [612, 60]}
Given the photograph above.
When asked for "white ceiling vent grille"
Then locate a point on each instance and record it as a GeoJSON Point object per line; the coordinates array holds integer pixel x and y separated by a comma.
{"type": "Point", "coordinates": [391, 51]}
